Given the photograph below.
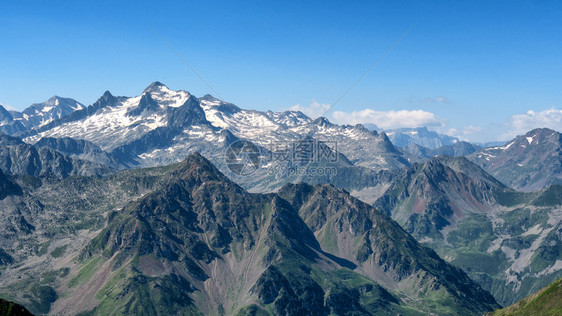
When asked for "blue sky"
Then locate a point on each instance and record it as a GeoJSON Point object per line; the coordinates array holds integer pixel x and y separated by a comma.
{"type": "Point", "coordinates": [468, 68]}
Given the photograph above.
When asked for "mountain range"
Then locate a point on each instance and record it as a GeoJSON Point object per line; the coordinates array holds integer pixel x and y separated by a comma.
{"type": "Point", "coordinates": [186, 239]}
{"type": "Point", "coordinates": [272, 212]}
{"type": "Point", "coordinates": [161, 126]}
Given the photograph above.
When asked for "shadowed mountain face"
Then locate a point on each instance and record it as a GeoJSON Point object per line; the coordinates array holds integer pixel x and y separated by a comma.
{"type": "Point", "coordinates": [83, 150]}
{"type": "Point", "coordinates": [12, 309]}
{"type": "Point", "coordinates": [185, 239]}
{"type": "Point", "coordinates": [5, 116]}
{"type": "Point", "coordinates": [19, 158]}
{"type": "Point", "coordinates": [7, 186]}
{"type": "Point", "coordinates": [527, 163]}
{"type": "Point", "coordinates": [504, 239]}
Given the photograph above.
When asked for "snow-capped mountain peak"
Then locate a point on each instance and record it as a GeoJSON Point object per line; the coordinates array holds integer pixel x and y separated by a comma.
{"type": "Point", "coordinates": [56, 105]}
{"type": "Point", "coordinates": [40, 114]}
{"type": "Point", "coordinates": [113, 121]}
{"type": "Point", "coordinates": [155, 86]}
{"type": "Point", "coordinates": [321, 121]}
{"type": "Point", "coordinates": [165, 96]}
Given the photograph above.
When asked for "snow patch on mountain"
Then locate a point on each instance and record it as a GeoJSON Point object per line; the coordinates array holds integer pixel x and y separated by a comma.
{"type": "Point", "coordinates": [166, 97]}
{"type": "Point", "coordinates": [500, 147]}
{"type": "Point", "coordinates": [47, 108]}
{"type": "Point", "coordinates": [557, 266]}
{"type": "Point", "coordinates": [214, 116]}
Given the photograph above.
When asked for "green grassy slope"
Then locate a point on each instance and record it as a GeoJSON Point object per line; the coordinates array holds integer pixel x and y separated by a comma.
{"type": "Point", "coordinates": [547, 301]}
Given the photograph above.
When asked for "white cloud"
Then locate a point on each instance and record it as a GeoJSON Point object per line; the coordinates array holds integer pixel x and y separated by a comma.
{"type": "Point", "coordinates": [469, 129]}
{"type": "Point", "coordinates": [520, 124]}
{"type": "Point", "coordinates": [389, 119]}
{"type": "Point", "coordinates": [314, 110]}
{"type": "Point", "coordinates": [452, 131]}
{"type": "Point", "coordinates": [461, 134]}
